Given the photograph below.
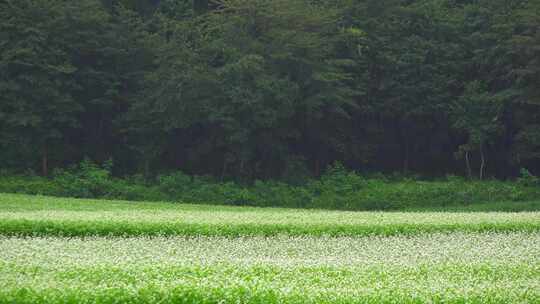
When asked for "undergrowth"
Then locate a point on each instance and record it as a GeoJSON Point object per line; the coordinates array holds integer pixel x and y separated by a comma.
{"type": "Point", "coordinates": [336, 189]}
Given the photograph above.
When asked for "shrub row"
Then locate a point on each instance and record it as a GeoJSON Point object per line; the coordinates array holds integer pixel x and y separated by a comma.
{"type": "Point", "coordinates": [336, 189]}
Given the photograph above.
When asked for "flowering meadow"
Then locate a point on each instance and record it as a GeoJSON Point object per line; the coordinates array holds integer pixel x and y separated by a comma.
{"type": "Point", "coordinates": [47, 216]}
{"type": "Point", "coordinates": [81, 251]}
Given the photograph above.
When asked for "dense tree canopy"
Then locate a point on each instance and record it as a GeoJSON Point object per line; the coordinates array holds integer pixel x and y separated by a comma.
{"type": "Point", "coordinates": [263, 89]}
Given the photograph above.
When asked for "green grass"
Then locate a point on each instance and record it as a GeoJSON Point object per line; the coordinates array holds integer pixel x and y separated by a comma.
{"type": "Point", "coordinates": [47, 216]}
{"type": "Point", "coordinates": [55, 250]}
{"type": "Point", "coordinates": [449, 268]}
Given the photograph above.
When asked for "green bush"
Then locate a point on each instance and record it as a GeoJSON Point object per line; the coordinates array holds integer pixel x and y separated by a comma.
{"type": "Point", "coordinates": [87, 180]}
{"type": "Point", "coordinates": [278, 194]}
{"type": "Point", "coordinates": [90, 180]}
{"type": "Point", "coordinates": [527, 179]}
{"type": "Point", "coordinates": [337, 188]}
{"type": "Point", "coordinates": [29, 185]}
{"type": "Point", "coordinates": [174, 185]}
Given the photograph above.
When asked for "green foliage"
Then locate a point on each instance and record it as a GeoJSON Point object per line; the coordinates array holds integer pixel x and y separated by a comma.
{"type": "Point", "coordinates": [243, 80]}
{"type": "Point", "coordinates": [36, 74]}
{"type": "Point", "coordinates": [254, 90]}
{"type": "Point", "coordinates": [85, 181]}
{"type": "Point", "coordinates": [527, 179]}
{"type": "Point", "coordinates": [29, 185]}
{"type": "Point", "coordinates": [337, 189]}
{"type": "Point", "coordinates": [477, 113]}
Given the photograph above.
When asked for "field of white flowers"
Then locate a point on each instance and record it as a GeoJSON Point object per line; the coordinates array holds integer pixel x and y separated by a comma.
{"type": "Point", "coordinates": [47, 216]}
{"type": "Point", "coordinates": [501, 265]}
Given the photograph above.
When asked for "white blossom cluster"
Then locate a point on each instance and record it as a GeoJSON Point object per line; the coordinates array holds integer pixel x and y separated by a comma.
{"type": "Point", "coordinates": [453, 267]}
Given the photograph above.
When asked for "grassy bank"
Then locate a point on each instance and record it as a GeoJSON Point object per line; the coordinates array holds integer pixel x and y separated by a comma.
{"type": "Point", "coordinates": [46, 216]}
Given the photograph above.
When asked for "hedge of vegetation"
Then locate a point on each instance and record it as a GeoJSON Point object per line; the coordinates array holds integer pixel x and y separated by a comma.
{"type": "Point", "coordinates": [337, 188]}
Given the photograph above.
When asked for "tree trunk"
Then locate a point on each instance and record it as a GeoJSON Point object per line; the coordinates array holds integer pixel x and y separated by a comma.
{"type": "Point", "coordinates": [482, 162]}
{"type": "Point", "coordinates": [468, 164]}
{"type": "Point", "coordinates": [45, 161]}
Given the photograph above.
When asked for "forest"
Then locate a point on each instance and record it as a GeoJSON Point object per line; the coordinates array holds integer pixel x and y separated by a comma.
{"type": "Point", "coordinates": [258, 89]}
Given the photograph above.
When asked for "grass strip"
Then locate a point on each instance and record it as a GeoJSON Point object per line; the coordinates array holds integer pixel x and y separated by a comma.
{"type": "Point", "coordinates": [44, 216]}
{"type": "Point", "coordinates": [81, 228]}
